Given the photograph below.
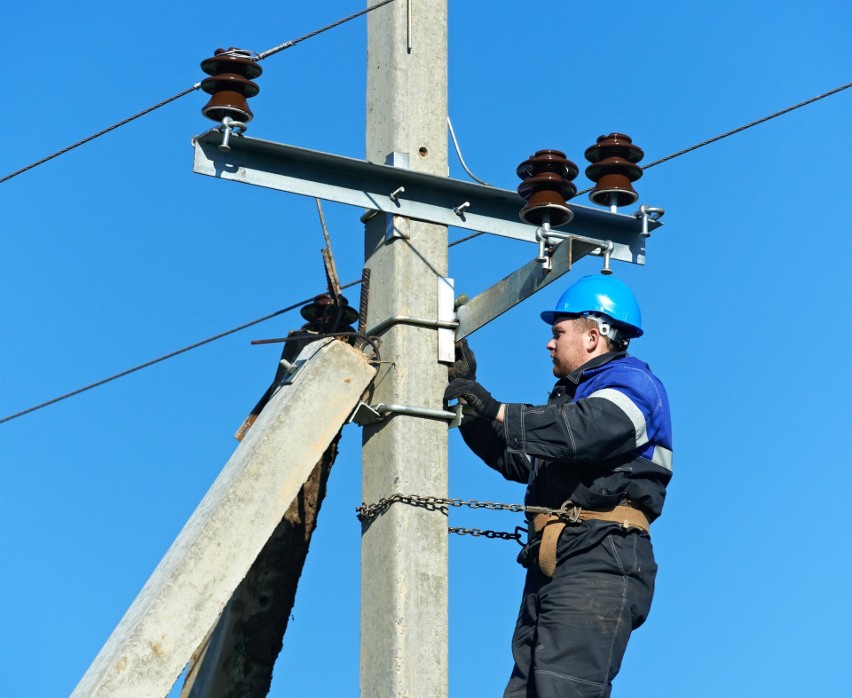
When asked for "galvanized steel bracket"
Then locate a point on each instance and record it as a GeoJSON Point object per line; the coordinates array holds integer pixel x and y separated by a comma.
{"type": "Point", "coordinates": [365, 414]}
{"type": "Point", "coordinates": [405, 193]}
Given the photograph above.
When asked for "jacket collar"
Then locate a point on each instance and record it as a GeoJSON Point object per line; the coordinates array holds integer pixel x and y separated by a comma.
{"type": "Point", "coordinates": [576, 376]}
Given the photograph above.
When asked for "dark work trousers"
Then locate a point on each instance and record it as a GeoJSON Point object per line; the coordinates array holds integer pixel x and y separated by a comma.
{"type": "Point", "coordinates": [573, 629]}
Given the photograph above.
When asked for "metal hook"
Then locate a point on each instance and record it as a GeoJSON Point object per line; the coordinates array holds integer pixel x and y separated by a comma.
{"type": "Point", "coordinates": [227, 127]}
{"type": "Point", "coordinates": [394, 195]}
{"type": "Point", "coordinates": [459, 210]}
{"type": "Point", "coordinates": [544, 249]}
{"type": "Point", "coordinates": [607, 253]}
{"type": "Point", "coordinates": [648, 213]}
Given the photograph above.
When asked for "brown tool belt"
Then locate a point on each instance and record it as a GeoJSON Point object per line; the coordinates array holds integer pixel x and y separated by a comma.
{"type": "Point", "coordinates": [550, 526]}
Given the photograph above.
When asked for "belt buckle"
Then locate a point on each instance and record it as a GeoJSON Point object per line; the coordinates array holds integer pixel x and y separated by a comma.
{"type": "Point", "coordinates": [570, 512]}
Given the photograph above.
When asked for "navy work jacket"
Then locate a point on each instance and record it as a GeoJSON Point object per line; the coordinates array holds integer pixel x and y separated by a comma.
{"type": "Point", "coordinates": [604, 436]}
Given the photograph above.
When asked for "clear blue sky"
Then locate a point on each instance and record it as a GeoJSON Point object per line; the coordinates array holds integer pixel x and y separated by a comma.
{"type": "Point", "coordinates": [116, 253]}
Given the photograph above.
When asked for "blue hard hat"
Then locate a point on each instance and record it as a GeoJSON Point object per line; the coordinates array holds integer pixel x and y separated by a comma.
{"type": "Point", "coordinates": [600, 294]}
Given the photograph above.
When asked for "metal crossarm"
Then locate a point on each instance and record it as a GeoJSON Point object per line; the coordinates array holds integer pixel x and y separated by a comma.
{"type": "Point", "coordinates": [402, 192]}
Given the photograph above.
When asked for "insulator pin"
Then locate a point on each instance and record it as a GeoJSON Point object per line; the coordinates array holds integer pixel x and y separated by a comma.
{"type": "Point", "coordinates": [547, 186]}
{"type": "Point", "coordinates": [613, 170]}
{"type": "Point", "coordinates": [230, 84]}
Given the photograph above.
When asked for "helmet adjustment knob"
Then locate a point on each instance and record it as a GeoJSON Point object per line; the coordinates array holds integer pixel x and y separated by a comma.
{"type": "Point", "coordinates": [546, 186]}
{"type": "Point", "coordinates": [613, 170]}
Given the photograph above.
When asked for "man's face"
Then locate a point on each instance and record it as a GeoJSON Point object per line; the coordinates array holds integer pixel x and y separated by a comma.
{"type": "Point", "coordinates": [568, 347]}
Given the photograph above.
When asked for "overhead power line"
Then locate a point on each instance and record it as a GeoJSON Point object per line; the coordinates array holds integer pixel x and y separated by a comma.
{"type": "Point", "coordinates": [749, 125]}
{"type": "Point", "coordinates": [312, 34]}
{"type": "Point", "coordinates": [170, 355]}
{"type": "Point", "coordinates": [100, 133]}
{"type": "Point", "coordinates": [707, 142]}
{"type": "Point", "coordinates": [258, 57]}
{"type": "Point", "coordinates": [456, 242]}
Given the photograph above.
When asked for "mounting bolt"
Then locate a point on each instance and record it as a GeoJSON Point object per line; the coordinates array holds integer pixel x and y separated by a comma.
{"type": "Point", "coordinates": [459, 210]}
{"type": "Point", "coordinates": [607, 254]}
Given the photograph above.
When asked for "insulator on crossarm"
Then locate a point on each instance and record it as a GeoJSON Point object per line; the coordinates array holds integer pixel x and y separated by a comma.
{"type": "Point", "coordinates": [323, 314]}
{"type": "Point", "coordinates": [230, 84]}
{"type": "Point", "coordinates": [613, 170]}
{"type": "Point", "coordinates": [547, 186]}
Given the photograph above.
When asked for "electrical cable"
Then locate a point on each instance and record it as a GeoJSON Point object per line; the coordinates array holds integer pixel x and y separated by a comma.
{"type": "Point", "coordinates": [300, 303]}
{"type": "Point", "coordinates": [464, 239]}
{"type": "Point", "coordinates": [99, 133]}
{"type": "Point", "coordinates": [458, 152]}
{"type": "Point", "coordinates": [747, 126]}
{"type": "Point", "coordinates": [166, 356]}
{"type": "Point", "coordinates": [312, 34]}
{"type": "Point", "coordinates": [706, 142]}
{"type": "Point", "coordinates": [187, 91]}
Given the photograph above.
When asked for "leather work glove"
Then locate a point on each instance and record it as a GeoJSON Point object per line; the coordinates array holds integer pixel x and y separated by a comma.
{"type": "Point", "coordinates": [465, 363]}
{"type": "Point", "coordinates": [474, 395]}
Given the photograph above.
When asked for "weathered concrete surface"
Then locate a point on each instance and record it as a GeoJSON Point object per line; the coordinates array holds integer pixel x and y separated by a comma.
{"type": "Point", "coordinates": [404, 587]}
{"type": "Point", "coordinates": [189, 588]}
{"type": "Point", "coordinates": [238, 655]}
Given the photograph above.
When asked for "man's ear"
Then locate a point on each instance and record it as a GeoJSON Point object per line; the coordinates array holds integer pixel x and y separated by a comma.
{"type": "Point", "coordinates": [593, 338]}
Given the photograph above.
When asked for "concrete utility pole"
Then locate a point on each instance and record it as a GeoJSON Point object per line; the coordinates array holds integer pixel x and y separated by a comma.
{"type": "Point", "coordinates": [186, 593]}
{"type": "Point", "coordinates": [404, 644]}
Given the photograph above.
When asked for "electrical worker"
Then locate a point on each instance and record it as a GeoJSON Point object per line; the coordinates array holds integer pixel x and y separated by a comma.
{"type": "Point", "coordinates": [600, 452]}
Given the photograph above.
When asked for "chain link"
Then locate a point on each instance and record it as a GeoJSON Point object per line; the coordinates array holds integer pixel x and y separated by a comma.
{"type": "Point", "coordinates": [368, 512]}
{"type": "Point", "coordinates": [502, 535]}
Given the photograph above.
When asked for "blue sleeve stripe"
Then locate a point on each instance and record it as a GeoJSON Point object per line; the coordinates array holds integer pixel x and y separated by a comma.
{"type": "Point", "coordinates": [626, 405]}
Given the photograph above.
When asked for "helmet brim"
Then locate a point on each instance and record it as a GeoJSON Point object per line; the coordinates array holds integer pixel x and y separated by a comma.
{"type": "Point", "coordinates": [551, 316]}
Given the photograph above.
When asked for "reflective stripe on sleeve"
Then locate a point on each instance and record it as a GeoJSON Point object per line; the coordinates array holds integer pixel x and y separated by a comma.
{"type": "Point", "coordinates": [663, 457]}
{"type": "Point", "coordinates": [626, 405]}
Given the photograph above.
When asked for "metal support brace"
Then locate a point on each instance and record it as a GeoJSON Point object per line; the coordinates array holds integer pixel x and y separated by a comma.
{"type": "Point", "coordinates": [545, 251]}
{"type": "Point", "coordinates": [365, 414]}
{"type": "Point", "coordinates": [445, 323]}
{"type": "Point", "coordinates": [384, 325]}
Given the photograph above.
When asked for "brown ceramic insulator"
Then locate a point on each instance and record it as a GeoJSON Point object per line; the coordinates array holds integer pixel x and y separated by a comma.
{"type": "Point", "coordinates": [232, 60]}
{"type": "Point", "coordinates": [230, 84]}
{"type": "Point", "coordinates": [613, 169]}
{"type": "Point", "coordinates": [323, 310]}
{"type": "Point", "coordinates": [229, 93]}
{"type": "Point", "coordinates": [547, 161]}
{"type": "Point", "coordinates": [547, 185]}
{"type": "Point", "coordinates": [614, 145]}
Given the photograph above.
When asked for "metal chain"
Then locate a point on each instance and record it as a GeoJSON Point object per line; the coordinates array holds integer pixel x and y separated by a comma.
{"type": "Point", "coordinates": [368, 512]}
{"type": "Point", "coordinates": [502, 535]}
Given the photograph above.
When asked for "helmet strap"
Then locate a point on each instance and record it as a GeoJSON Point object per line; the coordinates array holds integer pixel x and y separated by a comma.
{"type": "Point", "coordinates": [607, 329]}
